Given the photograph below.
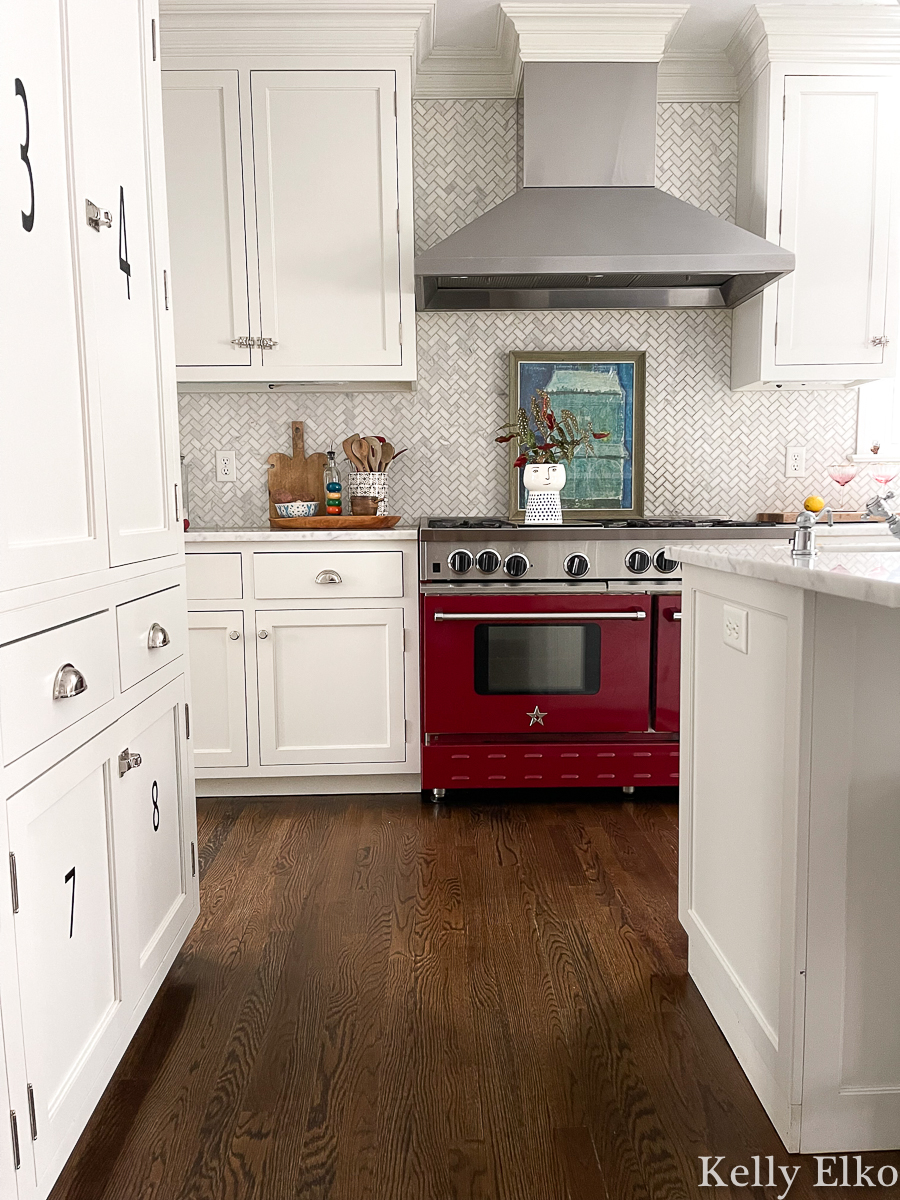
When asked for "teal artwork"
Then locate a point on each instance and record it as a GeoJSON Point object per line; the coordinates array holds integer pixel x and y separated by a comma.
{"type": "Point", "coordinates": [606, 393]}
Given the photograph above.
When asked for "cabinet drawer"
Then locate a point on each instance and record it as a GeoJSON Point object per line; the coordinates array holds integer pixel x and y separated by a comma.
{"type": "Point", "coordinates": [136, 620]}
{"type": "Point", "coordinates": [299, 576]}
{"type": "Point", "coordinates": [29, 714]}
{"type": "Point", "coordinates": [214, 577]}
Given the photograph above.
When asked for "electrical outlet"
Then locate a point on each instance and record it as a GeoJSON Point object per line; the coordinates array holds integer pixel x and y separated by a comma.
{"type": "Point", "coordinates": [795, 461]}
{"type": "Point", "coordinates": [225, 466]}
{"type": "Point", "coordinates": [734, 628]}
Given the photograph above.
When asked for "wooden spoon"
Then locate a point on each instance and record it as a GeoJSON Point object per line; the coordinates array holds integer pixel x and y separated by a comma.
{"type": "Point", "coordinates": [360, 454]}
{"type": "Point", "coordinates": [387, 453]}
{"type": "Point", "coordinates": [374, 452]}
{"type": "Point", "coordinates": [347, 443]}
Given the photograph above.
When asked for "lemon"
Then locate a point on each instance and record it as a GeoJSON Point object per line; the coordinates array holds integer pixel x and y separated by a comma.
{"type": "Point", "coordinates": [813, 503]}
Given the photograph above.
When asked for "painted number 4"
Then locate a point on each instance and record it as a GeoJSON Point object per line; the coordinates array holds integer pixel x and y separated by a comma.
{"type": "Point", "coordinates": [70, 878]}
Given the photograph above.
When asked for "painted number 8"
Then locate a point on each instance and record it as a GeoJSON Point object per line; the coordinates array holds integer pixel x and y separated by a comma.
{"type": "Point", "coordinates": [154, 792]}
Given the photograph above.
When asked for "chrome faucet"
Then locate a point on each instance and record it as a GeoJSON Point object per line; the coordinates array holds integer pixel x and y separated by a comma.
{"type": "Point", "coordinates": [876, 507]}
{"type": "Point", "coordinates": [804, 544]}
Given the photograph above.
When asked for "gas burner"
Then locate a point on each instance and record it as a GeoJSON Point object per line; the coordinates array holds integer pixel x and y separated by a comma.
{"type": "Point", "coordinates": [469, 523]}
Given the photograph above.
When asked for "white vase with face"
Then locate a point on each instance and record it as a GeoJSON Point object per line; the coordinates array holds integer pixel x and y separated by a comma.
{"type": "Point", "coordinates": [544, 482]}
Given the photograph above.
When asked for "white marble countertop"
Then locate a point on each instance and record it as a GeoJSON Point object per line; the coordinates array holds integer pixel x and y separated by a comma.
{"type": "Point", "coordinates": [403, 533]}
{"type": "Point", "coordinates": [871, 573]}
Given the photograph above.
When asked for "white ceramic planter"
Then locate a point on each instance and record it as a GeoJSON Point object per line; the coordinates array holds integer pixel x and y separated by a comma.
{"type": "Point", "coordinates": [544, 482]}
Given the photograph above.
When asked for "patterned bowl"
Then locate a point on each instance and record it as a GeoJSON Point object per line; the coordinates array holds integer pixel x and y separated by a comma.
{"type": "Point", "coordinates": [298, 508]}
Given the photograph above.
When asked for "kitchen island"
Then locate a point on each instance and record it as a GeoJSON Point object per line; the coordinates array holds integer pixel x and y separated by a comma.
{"type": "Point", "coordinates": [789, 884]}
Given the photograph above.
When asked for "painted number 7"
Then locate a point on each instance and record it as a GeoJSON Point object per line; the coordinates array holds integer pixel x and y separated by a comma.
{"type": "Point", "coordinates": [71, 875]}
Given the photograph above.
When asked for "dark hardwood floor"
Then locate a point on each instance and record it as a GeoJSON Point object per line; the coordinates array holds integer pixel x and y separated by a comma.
{"type": "Point", "coordinates": [389, 1000]}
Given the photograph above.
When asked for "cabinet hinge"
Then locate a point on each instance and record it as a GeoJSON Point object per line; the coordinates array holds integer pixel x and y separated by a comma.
{"type": "Point", "coordinates": [405, 646]}
{"type": "Point", "coordinates": [398, 220]}
{"type": "Point", "coordinates": [177, 509]}
{"type": "Point", "coordinates": [31, 1113]}
{"type": "Point", "coordinates": [187, 722]}
{"type": "Point", "coordinates": [14, 1128]}
{"type": "Point", "coordinates": [395, 104]}
{"type": "Point", "coordinates": [780, 220]}
{"type": "Point", "coordinates": [193, 861]}
{"type": "Point", "coordinates": [153, 36]}
{"type": "Point", "coordinates": [784, 107]}
{"type": "Point", "coordinates": [14, 882]}
{"type": "Point", "coordinates": [406, 730]}
{"type": "Point", "coordinates": [400, 332]}
{"type": "Point", "coordinates": [166, 289]}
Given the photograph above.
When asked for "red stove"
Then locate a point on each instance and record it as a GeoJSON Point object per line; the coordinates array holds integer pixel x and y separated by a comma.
{"type": "Point", "coordinates": [550, 654]}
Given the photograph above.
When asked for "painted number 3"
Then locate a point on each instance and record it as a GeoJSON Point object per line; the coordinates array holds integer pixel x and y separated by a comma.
{"type": "Point", "coordinates": [154, 793]}
{"type": "Point", "coordinates": [27, 217]}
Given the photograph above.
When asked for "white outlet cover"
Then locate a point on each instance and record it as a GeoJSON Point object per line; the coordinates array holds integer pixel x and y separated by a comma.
{"type": "Point", "coordinates": [225, 466]}
{"type": "Point", "coordinates": [734, 627]}
{"type": "Point", "coordinates": [795, 462]}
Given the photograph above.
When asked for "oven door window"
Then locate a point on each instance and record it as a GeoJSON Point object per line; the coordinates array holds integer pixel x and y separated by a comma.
{"type": "Point", "coordinates": [537, 660]}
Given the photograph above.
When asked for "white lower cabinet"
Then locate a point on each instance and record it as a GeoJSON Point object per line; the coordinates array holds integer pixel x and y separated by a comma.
{"type": "Point", "coordinates": [72, 1006]}
{"type": "Point", "coordinates": [216, 642]}
{"type": "Point", "coordinates": [103, 863]}
{"type": "Point", "coordinates": [330, 686]}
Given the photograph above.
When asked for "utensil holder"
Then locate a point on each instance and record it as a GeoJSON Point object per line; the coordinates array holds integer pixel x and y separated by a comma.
{"type": "Point", "coordinates": [370, 483]}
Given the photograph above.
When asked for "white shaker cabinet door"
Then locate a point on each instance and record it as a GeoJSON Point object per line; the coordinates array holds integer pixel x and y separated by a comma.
{"type": "Point", "coordinates": [51, 487]}
{"type": "Point", "coordinates": [201, 112]}
{"type": "Point", "coordinates": [330, 686]}
{"type": "Point", "coordinates": [840, 136]}
{"type": "Point", "coordinates": [114, 92]}
{"type": "Point", "coordinates": [72, 1011]}
{"type": "Point", "coordinates": [325, 163]}
{"type": "Point", "coordinates": [154, 824]}
{"type": "Point", "coordinates": [218, 691]}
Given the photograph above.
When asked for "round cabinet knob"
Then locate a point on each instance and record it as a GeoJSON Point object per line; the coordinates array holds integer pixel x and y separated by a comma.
{"type": "Point", "coordinates": [488, 561]}
{"type": "Point", "coordinates": [157, 637]}
{"type": "Point", "coordinates": [516, 565]}
{"type": "Point", "coordinates": [69, 682]}
{"type": "Point", "coordinates": [637, 561]}
{"type": "Point", "coordinates": [263, 633]}
{"type": "Point", "coordinates": [577, 565]}
{"type": "Point", "coordinates": [234, 635]}
{"type": "Point", "coordinates": [664, 564]}
{"type": "Point", "coordinates": [460, 561]}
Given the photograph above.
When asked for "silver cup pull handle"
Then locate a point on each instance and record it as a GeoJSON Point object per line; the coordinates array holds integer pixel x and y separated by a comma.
{"type": "Point", "coordinates": [157, 637]}
{"type": "Point", "coordinates": [328, 577]}
{"type": "Point", "coordinates": [69, 682]}
{"type": "Point", "coordinates": [128, 760]}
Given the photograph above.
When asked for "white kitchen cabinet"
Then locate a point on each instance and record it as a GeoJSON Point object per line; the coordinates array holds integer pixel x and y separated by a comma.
{"type": "Point", "coordinates": [817, 173]}
{"type": "Point", "coordinates": [51, 479]}
{"type": "Point", "coordinates": [154, 826]}
{"type": "Point", "coordinates": [72, 1004]}
{"type": "Point", "coordinates": [330, 686]}
{"type": "Point", "coordinates": [201, 111]}
{"type": "Point", "coordinates": [112, 158]}
{"type": "Point", "coordinates": [309, 170]}
{"type": "Point", "coordinates": [218, 675]}
{"type": "Point", "coordinates": [12, 1162]}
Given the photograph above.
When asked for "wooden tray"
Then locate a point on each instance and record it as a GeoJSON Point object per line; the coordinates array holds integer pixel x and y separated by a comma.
{"type": "Point", "coordinates": [788, 518]}
{"type": "Point", "coordinates": [333, 522]}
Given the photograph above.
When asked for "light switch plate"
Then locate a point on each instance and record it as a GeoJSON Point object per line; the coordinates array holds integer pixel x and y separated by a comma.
{"type": "Point", "coordinates": [734, 627]}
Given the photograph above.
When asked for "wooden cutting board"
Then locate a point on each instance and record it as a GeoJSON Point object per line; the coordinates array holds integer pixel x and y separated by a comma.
{"type": "Point", "coordinates": [296, 473]}
{"type": "Point", "coordinates": [327, 522]}
{"type": "Point", "coordinates": [788, 518]}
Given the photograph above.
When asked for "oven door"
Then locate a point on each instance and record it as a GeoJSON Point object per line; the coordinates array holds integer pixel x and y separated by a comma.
{"type": "Point", "coordinates": [668, 663]}
{"type": "Point", "coordinates": [536, 664]}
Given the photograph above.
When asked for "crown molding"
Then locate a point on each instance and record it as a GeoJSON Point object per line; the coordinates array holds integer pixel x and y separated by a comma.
{"type": "Point", "coordinates": [704, 76]}
{"type": "Point", "coordinates": [494, 72]}
{"type": "Point", "coordinates": [205, 28]}
{"type": "Point", "coordinates": [851, 34]}
{"type": "Point", "coordinates": [592, 32]}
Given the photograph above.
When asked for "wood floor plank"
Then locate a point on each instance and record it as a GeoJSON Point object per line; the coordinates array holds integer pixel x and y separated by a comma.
{"type": "Point", "coordinates": [389, 1000]}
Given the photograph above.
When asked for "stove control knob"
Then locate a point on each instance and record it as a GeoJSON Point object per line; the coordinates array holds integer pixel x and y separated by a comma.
{"type": "Point", "coordinates": [637, 561]}
{"type": "Point", "coordinates": [577, 565]}
{"type": "Point", "coordinates": [488, 561]}
{"type": "Point", "coordinates": [460, 561]}
{"type": "Point", "coordinates": [664, 564]}
{"type": "Point", "coordinates": [516, 565]}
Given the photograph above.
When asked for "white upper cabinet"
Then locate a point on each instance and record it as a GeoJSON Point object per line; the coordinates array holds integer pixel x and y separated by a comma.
{"type": "Point", "coordinates": [818, 168]}
{"type": "Point", "coordinates": [201, 112]}
{"type": "Point", "coordinates": [290, 209]}
{"type": "Point", "coordinates": [328, 227]}
{"type": "Point", "coordinates": [113, 156]}
{"type": "Point", "coordinates": [51, 483]}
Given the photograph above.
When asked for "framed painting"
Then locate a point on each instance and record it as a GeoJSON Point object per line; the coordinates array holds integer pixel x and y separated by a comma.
{"type": "Point", "coordinates": [605, 392]}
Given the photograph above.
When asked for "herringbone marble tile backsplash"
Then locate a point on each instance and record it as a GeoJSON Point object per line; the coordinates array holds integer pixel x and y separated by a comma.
{"type": "Point", "coordinates": [708, 450]}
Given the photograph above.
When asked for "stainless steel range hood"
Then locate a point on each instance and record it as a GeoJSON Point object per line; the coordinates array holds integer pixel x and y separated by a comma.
{"type": "Point", "coordinates": [589, 229]}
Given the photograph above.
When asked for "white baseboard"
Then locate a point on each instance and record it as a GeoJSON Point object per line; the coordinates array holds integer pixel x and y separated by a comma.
{"type": "Point", "coordinates": [311, 785]}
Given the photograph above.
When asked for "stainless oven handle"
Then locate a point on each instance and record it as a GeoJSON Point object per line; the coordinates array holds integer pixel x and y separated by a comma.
{"type": "Point", "coordinates": [676, 616]}
{"type": "Point", "coordinates": [543, 616]}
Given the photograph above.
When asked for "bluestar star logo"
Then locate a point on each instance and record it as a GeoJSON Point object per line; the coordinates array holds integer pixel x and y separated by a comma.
{"type": "Point", "coordinates": [832, 1170]}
